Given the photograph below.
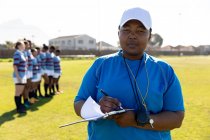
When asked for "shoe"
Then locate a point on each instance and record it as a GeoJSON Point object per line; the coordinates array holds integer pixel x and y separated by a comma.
{"type": "Point", "coordinates": [58, 92]}
{"type": "Point", "coordinates": [27, 104]}
{"type": "Point", "coordinates": [36, 99]}
{"type": "Point", "coordinates": [52, 93]}
{"type": "Point", "coordinates": [23, 107]}
{"type": "Point", "coordinates": [21, 110]}
{"type": "Point", "coordinates": [61, 91]}
{"type": "Point", "coordinates": [41, 96]}
{"type": "Point", "coordinates": [47, 96]}
{"type": "Point", "coordinates": [32, 101]}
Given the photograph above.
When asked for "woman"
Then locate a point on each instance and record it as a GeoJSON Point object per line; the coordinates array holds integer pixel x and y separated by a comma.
{"type": "Point", "coordinates": [19, 75]}
{"type": "Point", "coordinates": [57, 70]}
{"type": "Point", "coordinates": [135, 80]}
{"type": "Point", "coordinates": [35, 77]}
{"type": "Point", "coordinates": [50, 69]}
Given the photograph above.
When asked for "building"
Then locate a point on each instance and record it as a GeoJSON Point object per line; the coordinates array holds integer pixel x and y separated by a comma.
{"type": "Point", "coordinates": [203, 50]}
{"type": "Point", "coordinates": [74, 42]}
{"type": "Point", "coordinates": [105, 46]}
{"type": "Point", "coordinates": [181, 48]}
{"type": "Point", "coordinates": [168, 48]}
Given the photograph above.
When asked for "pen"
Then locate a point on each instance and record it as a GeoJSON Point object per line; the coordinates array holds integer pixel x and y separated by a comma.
{"type": "Point", "coordinates": [105, 94]}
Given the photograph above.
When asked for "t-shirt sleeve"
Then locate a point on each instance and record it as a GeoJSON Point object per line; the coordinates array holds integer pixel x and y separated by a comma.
{"type": "Point", "coordinates": [16, 58]}
{"type": "Point", "coordinates": [173, 99]}
{"type": "Point", "coordinates": [89, 83]}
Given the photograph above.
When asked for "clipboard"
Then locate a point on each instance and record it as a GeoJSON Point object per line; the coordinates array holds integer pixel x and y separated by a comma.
{"type": "Point", "coordinates": [106, 115]}
{"type": "Point", "coordinates": [91, 111]}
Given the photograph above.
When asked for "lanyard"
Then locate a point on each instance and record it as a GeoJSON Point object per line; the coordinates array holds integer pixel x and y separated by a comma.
{"type": "Point", "coordinates": [135, 87]}
{"type": "Point", "coordinates": [131, 82]}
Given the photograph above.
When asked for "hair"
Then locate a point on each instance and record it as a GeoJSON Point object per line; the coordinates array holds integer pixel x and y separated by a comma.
{"type": "Point", "coordinates": [45, 47]}
{"type": "Point", "coordinates": [52, 47]}
{"type": "Point", "coordinates": [37, 48]}
{"type": "Point", "coordinates": [25, 42]}
{"type": "Point", "coordinates": [29, 41]}
{"type": "Point", "coordinates": [33, 50]}
{"type": "Point", "coordinates": [58, 51]}
{"type": "Point", "coordinates": [17, 44]}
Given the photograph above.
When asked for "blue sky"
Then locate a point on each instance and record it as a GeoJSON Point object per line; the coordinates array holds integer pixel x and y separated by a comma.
{"type": "Point", "coordinates": [183, 22]}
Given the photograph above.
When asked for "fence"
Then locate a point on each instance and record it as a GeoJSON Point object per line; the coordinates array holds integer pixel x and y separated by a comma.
{"type": "Point", "coordinates": [9, 53]}
{"type": "Point", "coordinates": [6, 53]}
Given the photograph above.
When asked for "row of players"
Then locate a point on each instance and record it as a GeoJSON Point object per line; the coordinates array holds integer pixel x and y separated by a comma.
{"type": "Point", "coordinates": [30, 66]}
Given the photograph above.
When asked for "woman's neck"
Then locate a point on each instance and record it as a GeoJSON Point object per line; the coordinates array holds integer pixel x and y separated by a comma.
{"type": "Point", "coordinates": [132, 57]}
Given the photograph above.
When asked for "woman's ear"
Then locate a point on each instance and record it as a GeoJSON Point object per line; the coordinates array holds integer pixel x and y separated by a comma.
{"type": "Point", "coordinates": [150, 34]}
{"type": "Point", "coordinates": [118, 30]}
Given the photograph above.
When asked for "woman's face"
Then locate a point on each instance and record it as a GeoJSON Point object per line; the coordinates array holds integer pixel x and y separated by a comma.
{"type": "Point", "coordinates": [133, 37]}
{"type": "Point", "coordinates": [21, 47]}
{"type": "Point", "coordinates": [34, 53]}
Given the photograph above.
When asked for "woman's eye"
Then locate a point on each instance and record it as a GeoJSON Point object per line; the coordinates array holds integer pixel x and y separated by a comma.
{"type": "Point", "coordinates": [126, 30]}
{"type": "Point", "coordinates": [140, 30]}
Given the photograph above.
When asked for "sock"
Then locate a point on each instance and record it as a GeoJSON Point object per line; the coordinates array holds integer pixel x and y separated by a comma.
{"type": "Point", "coordinates": [35, 93]}
{"type": "Point", "coordinates": [53, 88]}
{"type": "Point", "coordinates": [17, 101]}
{"type": "Point", "coordinates": [39, 89]}
{"type": "Point", "coordinates": [46, 88]}
{"type": "Point", "coordinates": [19, 106]}
{"type": "Point", "coordinates": [50, 84]}
{"type": "Point", "coordinates": [57, 87]}
{"type": "Point", "coordinates": [30, 94]}
{"type": "Point", "coordinates": [50, 88]}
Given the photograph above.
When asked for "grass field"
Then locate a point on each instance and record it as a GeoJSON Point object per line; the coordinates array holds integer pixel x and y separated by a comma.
{"type": "Point", "coordinates": [43, 119]}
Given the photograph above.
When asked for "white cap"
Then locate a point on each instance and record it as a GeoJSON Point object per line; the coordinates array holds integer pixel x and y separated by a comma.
{"type": "Point", "coordinates": [138, 14]}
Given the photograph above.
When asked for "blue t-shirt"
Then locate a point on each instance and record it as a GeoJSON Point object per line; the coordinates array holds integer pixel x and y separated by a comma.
{"type": "Point", "coordinates": [20, 63]}
{"type": "Point", "coordinates": [110, 74]}
{"type": "Point", "coordinates": [57, 67]}
{"type": "Point", "coordinates": [39, 61]}
{"type": "Point", "coordinates": [35, 68]}
{"type": "Point", "coordinates": [43, 60]}
{"type": "Point", "coordinates": [49, 61]}
{"type": "Point", "coordinates": [29, 58]}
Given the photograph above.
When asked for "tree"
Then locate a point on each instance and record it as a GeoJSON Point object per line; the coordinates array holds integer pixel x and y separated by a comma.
{"type": "Point", "coordinates": [156, 40]}
{"type": "Point", "coordinates": [9, 45]}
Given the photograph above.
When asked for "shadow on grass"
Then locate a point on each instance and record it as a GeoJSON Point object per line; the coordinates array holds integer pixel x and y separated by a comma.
{"type": "Point", "coordinates": [10, 115]}
{"type": "Point", "coordinates": [41, 102]}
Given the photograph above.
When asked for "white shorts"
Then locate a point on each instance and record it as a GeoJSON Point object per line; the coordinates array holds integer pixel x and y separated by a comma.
{"type": "Point", "coordinates": [23, 80]}
{"type": "Point", "coordinates": [35, 80]}
{"type": "Point", "coordinates": [56, 75]}
{"type": "Point", "coordinates": [50, 72]}
{"type": "Point", "coordinates": [43, 72]}
{"type": "Point", "coordinates": [39, 75]}
{"type": "Point", "coordinates": [29, 74]}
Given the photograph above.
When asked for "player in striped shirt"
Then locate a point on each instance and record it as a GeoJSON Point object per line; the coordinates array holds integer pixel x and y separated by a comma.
{"type": "Point", "coordinates": [29, 58]}
{"type": "Point", "coordinates": [57, 70]}
{"type": "Point", "coordinates": [19, 74]}
{"type": "Point", "coordinates": [50, 68]}
{"type": "Point", "coordinates": [35, 78]}
{"type": "Point", "coordinates": [43, 69]}
{"type": "Point", "coordinates": [39, 60]}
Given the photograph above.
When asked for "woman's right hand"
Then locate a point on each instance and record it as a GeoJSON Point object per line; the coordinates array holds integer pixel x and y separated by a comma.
{"type": "Point", "coordinates": [19, 79]}
{"type": "Point", "coordinates": [108, 104]}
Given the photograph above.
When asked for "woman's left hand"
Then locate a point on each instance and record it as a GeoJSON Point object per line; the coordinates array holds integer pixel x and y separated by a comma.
{"type": "Point", "coordinates": [125, 119]}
